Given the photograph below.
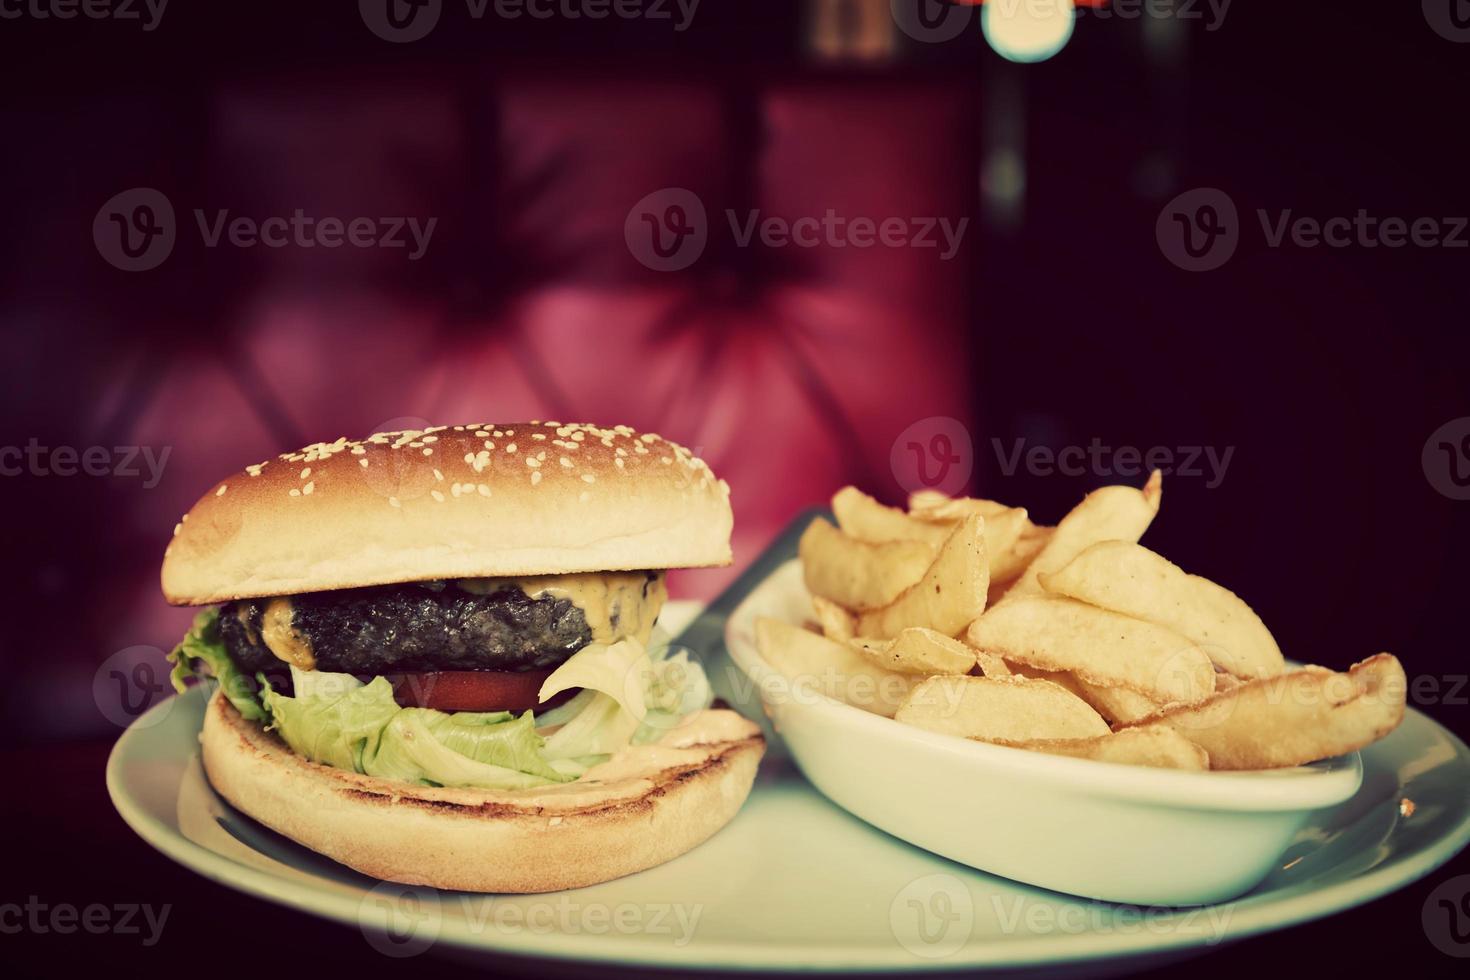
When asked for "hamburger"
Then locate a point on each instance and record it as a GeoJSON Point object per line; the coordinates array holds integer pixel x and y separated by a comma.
{"type": "Point", "coordinates": [437, 659]}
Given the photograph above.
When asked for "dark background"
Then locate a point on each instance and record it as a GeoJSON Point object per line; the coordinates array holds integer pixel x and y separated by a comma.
{"type": "Point", "coordinates": [1061, 321]}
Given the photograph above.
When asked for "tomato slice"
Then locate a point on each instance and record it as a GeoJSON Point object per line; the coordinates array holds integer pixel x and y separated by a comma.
{"type": "Point", "coordinates": [473, 690]}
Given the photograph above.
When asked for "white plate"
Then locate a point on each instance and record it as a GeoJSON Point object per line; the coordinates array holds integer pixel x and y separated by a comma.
{"type": "Point", "coordinates": [1134, 834]}
{"type": "Point", "coordinates": [797, 883]}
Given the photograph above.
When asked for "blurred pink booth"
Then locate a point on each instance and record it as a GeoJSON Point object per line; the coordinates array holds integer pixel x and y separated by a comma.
{"type": "Point", "coordinates": [790, 369]}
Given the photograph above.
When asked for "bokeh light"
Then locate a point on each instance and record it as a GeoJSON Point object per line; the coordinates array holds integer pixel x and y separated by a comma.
{"type": "Point", "coordinates": [1028, 31]}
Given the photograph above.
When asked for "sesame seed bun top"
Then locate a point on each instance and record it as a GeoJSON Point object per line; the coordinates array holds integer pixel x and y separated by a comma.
{"type": "Point", "coordinates": [464, 501]}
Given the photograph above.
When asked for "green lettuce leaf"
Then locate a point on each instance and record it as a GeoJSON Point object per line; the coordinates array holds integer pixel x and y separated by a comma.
{"type": "Point", "coordinates": [463, 749]}
{"type": "Point", "coordinates": [340, 727]}
{"type": "Point", "coordinates": [339, 721]}
{"type": "Point", "coordinates": [202, 654]}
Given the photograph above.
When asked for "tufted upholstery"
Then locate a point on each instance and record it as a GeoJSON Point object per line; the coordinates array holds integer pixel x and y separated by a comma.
{"type": "Point", "coordinates": [790, 370]}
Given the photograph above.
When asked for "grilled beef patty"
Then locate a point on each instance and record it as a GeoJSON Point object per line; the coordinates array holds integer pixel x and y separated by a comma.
{"type": "Point", "coordinates": [419, 626]}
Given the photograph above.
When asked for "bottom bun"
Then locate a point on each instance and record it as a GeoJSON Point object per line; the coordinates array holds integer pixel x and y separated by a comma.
{"type": "Point", "coordinates": [646, 806]}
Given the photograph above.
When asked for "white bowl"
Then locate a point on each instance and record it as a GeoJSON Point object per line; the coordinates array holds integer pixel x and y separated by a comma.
{"type": "Point", "coordinates": [1100, 830]}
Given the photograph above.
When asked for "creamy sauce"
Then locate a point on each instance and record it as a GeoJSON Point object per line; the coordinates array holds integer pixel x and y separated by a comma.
{"type": "Point", "coordinates": [613, 602]}
{"type": "Point", "coordinates": [277, 633]}
{"type": "Point", "coordinates": [674, 748]}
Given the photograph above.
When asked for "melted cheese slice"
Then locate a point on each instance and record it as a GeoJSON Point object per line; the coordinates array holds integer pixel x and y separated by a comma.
{"type": "Point", "coordinates": [614, 603]}
{"type": "Point", "coordinates": [281, 637]}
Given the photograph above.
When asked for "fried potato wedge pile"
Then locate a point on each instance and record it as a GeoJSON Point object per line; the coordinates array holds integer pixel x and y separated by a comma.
{"type": "Point", "coordinates": [962, 616]}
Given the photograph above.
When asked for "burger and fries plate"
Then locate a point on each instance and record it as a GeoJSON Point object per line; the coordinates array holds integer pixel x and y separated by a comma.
{"type": "Point", "coordinates": [795, 882]}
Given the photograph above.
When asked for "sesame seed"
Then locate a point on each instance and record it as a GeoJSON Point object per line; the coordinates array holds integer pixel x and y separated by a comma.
{"type": "Point", "coordinates": [306, 472]}
{"type": "Point", "coordinates": [511, 448]}
{"type": "Point", "coordinates": [362, 463]}
{"type": "Point", "coordinates": [619, 462]}
{"type": "Point", "coordinates": [539, 436]}
{"type": "Point", "coordinates": [535, 477]}
{"type": "Point", "coordinates": [566, 462]}
{"type": "Point", "coordinates": [310, 486]}
{"type": "Point", "coordinates": [221, 491]}
{"type": "Point", "coordinates": [295, 492]}
{"type": "Point", "coordinates": [438, 475]}
{"type": "Point", "coordinates": [484, 490]}
{"type": "Point", "coordinates": [428, 451]}
{"type": "Point", "coordinates": [532, 462]}
{"type": "Point", "coordinates": [394, 501]}
{"type": "Point", "coordinates": [178, 527]}
{"type": "Point", "coordinates": [437, 495]}
{"type": "Point", "coordinates": [588, 478]}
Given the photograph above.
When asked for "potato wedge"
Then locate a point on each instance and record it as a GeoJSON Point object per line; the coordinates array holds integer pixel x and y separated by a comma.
{"type": "Point", "coordinates": [1117, 705]}
{"type": "Point", "coordinates": [917, 650]}
{"type": "Point", "coordinates": [1162, 748]}
{"type": "Point", "coordinates": [1130, 579]}
{"type": "Point", "coordinates": [859, 574]}
{"type": "Point", "coordinates": [1004, 527]}
{"type": "Point", "coordinates": [991, 665]}
{"type": "Point", "coordinates": [836, 622]}
{"type": "Point", "coordinates": [921, 500]}
{"type": "Point", "coordinates": [1120, 705]}
{"type": "Point", "coordinates": [863, 518]}
{"type": "Point", "coordinates": [1297, 717]}
{"type": "Point", "coordinates": [999, 709]}
{"type": "Point", "coordinates": [935, 507]}
{"type": "Point", "coordinates": [1006, 569]}
{"type": "Point", "coordinates": [948, 598]}
{"type": "Point", "coordinates": [1058, 677]}
{"type": "Point", "coordinates": [1099, 646]}
{"type": "Point", "coordinates": [815, 664]}
{"type": "Point", "coordinates": [1115, 513]}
